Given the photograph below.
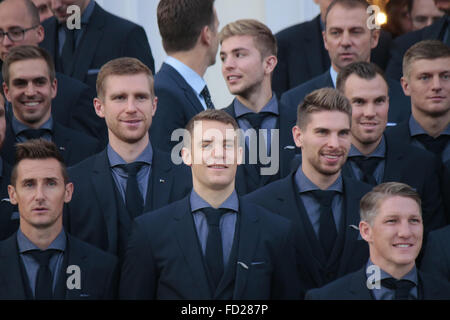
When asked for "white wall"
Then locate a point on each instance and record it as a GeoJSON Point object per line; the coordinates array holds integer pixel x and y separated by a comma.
{"type": "Point", "coordinates": [277, 14]}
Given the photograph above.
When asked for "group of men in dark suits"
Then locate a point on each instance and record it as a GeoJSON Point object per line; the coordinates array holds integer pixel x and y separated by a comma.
{"type": "Point", "coordinates": [266, 202]}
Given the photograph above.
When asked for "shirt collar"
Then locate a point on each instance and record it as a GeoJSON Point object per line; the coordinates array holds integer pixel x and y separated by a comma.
{"type": "Point", "coordinates": [306, 185]}
{"type": "Point", "coordinates": [197, 202]}
{"type": "Point", "coordinates": [416, 129]}
{"type": "Point", "coordinates": [18, 127]}
{"type": "Point", "coordinates": [271, 106]}
{"type": "Point", "coordinates": [88, 12]}
{"type": "Point", "coordinates": [333, 75]}
{"type": "Point", "coordinates": [379, 152]}
{"type": "Point", "coordinates": [115, 159]}
{"type": "Point", "coordinates": [411, 275]}
{"type": "Point", "coordinates": [24, 244]}
{"type": "Point", "coordinates": [192, 78]}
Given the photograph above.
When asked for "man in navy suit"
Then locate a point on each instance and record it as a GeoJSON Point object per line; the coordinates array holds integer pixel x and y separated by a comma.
{"type": "Point", "coordinates": [426, 74]}
{"type": "Point", "coordinates": [302, 55]}
{"type": "Point", "coordinates": [249, 56]}
{"type": "Point", "coordinates": [189, 31]}
{"type": "Point", "coordinates": [7, 225]}
{"type": "Point", "coordinates": [130, 176]}
{"type": "Point", "coordinates": [374, 158]}
{"type": "Point", "coordinates": [102, 36]}
{"type": "Point", "coordinates": [348, 38]}
{"type": "Point", "coordinates": [41, 261]}
{"type": "Point", "coordinates": [73, 102]}
{"type": "Point", "coordinates": [391, 223]}
{"type": "Point", "coordinates": [436, 258]}
{"type": "Point", "coordinates": [440, 30]}
{"type": "Point", "coordinates": [211, 244]}
{"type": "Point", "coordinates": [30, 86]}
{"type": "Point", "coordinates": [320, 202]}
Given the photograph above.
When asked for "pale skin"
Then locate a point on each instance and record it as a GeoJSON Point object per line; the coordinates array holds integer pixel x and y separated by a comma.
{"type": "Point", "coordinates": [213, 157]}
{"type": "Point", "coordinates": [40, 193]}
{"type": "Point", "coordinates": [395, 235]}
{"type": "Point", "coordinates": [246, 72]}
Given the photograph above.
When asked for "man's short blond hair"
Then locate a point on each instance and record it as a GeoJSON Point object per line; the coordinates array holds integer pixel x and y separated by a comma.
{"type": "Point", "coordinates": [424, 50]}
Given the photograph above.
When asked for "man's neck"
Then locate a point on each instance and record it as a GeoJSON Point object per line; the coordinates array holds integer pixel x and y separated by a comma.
{"type": "Point", "coordinates": [257, 99]}
{"type": "Point", "coordinates": [41, 238]}
{"type": "Point", "coordinates": [194, 59]}
{"type": "Point", "coordinates": [128, 151]}
{"type": "Point", "coordinates": [433, 126]}
{"type": "Point", "coordinates": [366, 148]}
{"type": "Point", "coordinates": [321, 180]}
{"type": "Point", "coordinates": [397, 271]}
{"type": "Point", "coordinates": [34, 125]}
{"type": "Point", "coordinates": [214, 197]}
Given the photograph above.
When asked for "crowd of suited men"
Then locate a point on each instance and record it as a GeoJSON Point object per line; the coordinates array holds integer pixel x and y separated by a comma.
{"type": "Point", "coordinates": [327, 176]}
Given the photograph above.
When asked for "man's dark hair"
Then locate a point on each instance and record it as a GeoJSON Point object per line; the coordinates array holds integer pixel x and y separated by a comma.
{"type": "Point", "coordinates": [37, 149]}
{"type": "Point", "coordinates": [181, 21]}
{"type": "Point", "coordinates": [21, 53]}
{"type": "Point", "coordinates": [362, 69]}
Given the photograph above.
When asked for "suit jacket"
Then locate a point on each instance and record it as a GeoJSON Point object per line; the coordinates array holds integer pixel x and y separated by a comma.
{"type": "Point", "coordinates": [279, 197]}
{"type": "Point", "coordinates": [436, 258]}
{"type": "Point", "coordinates": [9, 216]}
{"type": "Point", "coordinates": [302, 54]}
{"type": "Point", "coordinates": [94, 211]}
{"type": "Point", "coordinates": [164, 259]}
{"type": "Point", "coordinates": [73, 107]}
{"type": "Point", "coordinates": [401, 44]}
{"type": "Point", "coordinates": [99, 271]}
{"type": "Point", "coordinates": [400, 105]}
{"type": "Point", "coordinates": [106, 37]}
{"type": "Point", "coordinates": [72, 145]}
{"type": "Point", "coordinates": [353, 287]}
{"type": "Point", "coordinates": [249, 173]}
{"type": "Point", "coordinates": [401, 133]}
{"type": "Point", "coordinates": [177, 104]}
{"type": "Point", "coordinates": [418, 168]}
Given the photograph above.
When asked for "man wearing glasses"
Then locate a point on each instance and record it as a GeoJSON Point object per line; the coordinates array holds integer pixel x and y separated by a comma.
{"type": "Point", "coordinates": [19, 25]}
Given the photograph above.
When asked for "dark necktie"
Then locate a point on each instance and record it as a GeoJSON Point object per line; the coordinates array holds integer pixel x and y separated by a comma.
{"type": "Point", "coordinates": [367, 166]}
{"type": "Point", "coordinates": [327, 228]}
{"type": "Point", "coordinates": [214, 251]}
{"type": "Point", "coordinates": [133, 197]}
{"type": "Point", "coordinates": [44, 280]}
{"type": "Point", "coordinates": [401, 287]}
{"type": "Point", "coordinates": [35, 133]}
{"type": "Point", "coordinates": [68, 50]}
{"type": "Point", "coordinates": [434, 145]}
{"type": "Point", "coordinates": [255, 120]}
{"type": "Point", "coordinates": [205, 94]}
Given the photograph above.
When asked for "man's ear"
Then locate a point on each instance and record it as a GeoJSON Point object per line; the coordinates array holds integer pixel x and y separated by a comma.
{"type": "Point", "coordinates": [12, 194]}
{"type": "Point", "coordinates": [405, 86]}
{"type": "Point", "coordinates": [270, 63]}
{"type": "Point", "coordinates": [365, 230]}
{"type": "Point", "coordinates": [186, 156]}
{"type": "Point", "coordinates": [297, 136]}
{"type": "Point", "coordinates": [98, 106]}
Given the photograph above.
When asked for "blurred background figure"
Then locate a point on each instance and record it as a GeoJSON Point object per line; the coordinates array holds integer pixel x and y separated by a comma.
{"type": "Point", "coordinates": [398, 18]}
{"type": "Point", "coordinates": [44, 9]}
{"type": "Point", "coordinates": [423, 13]}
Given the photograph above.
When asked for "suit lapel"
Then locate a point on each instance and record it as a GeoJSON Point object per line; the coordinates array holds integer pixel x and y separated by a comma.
{"type": "Point", "coordinates": [8, 145]}
{"type": "Point", "coordinates": [313, 39]}
{"type": "Point", "coordinates": [61, 140]}
{"type": "Point", "coordinates": [103, 184]}
{"type": "Point", "coordinates": [86, 50]}
{"type": "Point", "coordinates": [189, 247]}
{"type": "Point", "coordinates": [394, 161]}
{"type": "Point", "coordinates": [160, 182]}
{"type": "Point", "coordinates": [435, 31]}
{"type": "Point", "coordinates": [75, 257]}
{"type": "Point", "coordinates": [351, 231]}
{"type": "Point", "coordinates": [358, 286]}
{"type": "Point", "coordinates": [10, 271]}
{"type": "Point", "coordinates": [248, 239]}
{"type": "Point", "coordinates": [51, 36]}
{"type": "Point", "coordinates": [286, 142]}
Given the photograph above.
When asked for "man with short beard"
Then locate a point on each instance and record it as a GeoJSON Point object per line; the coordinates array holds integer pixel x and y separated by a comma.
{"type": "Point", "coordinates": [322, 203]}
{"type": "Point", "coordinates": [373, 158]}
{"type": "Point", "coordinates": [130, 176]}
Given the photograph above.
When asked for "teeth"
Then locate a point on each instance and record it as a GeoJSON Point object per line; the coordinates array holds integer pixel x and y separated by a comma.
{"type": "Point", "coordinates": [31, 104]}
{"type": "Point", "coordinates": [218, 167]}
{"type": "Point", "coordinates": [331, 157]}
{"type": "Point", "coordinates": [232, 78]}
{"type": "Point", "coordinates": [402, 245]}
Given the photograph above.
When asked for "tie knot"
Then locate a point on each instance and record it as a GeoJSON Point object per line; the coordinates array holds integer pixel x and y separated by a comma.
{"type": "Point", "coordinates": [43, 256]}
{"type": "Point", "coordinates": [256, 119]}
{"type": "Point", "coordinates": [213, 215]}
{"type": "Point", "coordinates": [132, 168]}
{"type": "Point", "coordinates": [435, 145]}
{"type": "Point", "coordinates": [35, 133]}
{"type": "Point", "coordinates": [401, 287]}
{"type": "Point", "coordinates": [324, 197]}
{"type": "Point", "coordinates": [367, 164]}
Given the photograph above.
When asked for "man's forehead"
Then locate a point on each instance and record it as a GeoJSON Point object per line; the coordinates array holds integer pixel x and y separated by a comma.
{"type": "Point", "coordinates": [39, 169]}
{"type": "Point", "coordinates": [439, 64]}
{"type": "Point", "coordinates": [356, 16]}
{"type": "Point", "coordinates": [14, 14]}
{"type": "Point", "coordinates": [30, 68]}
